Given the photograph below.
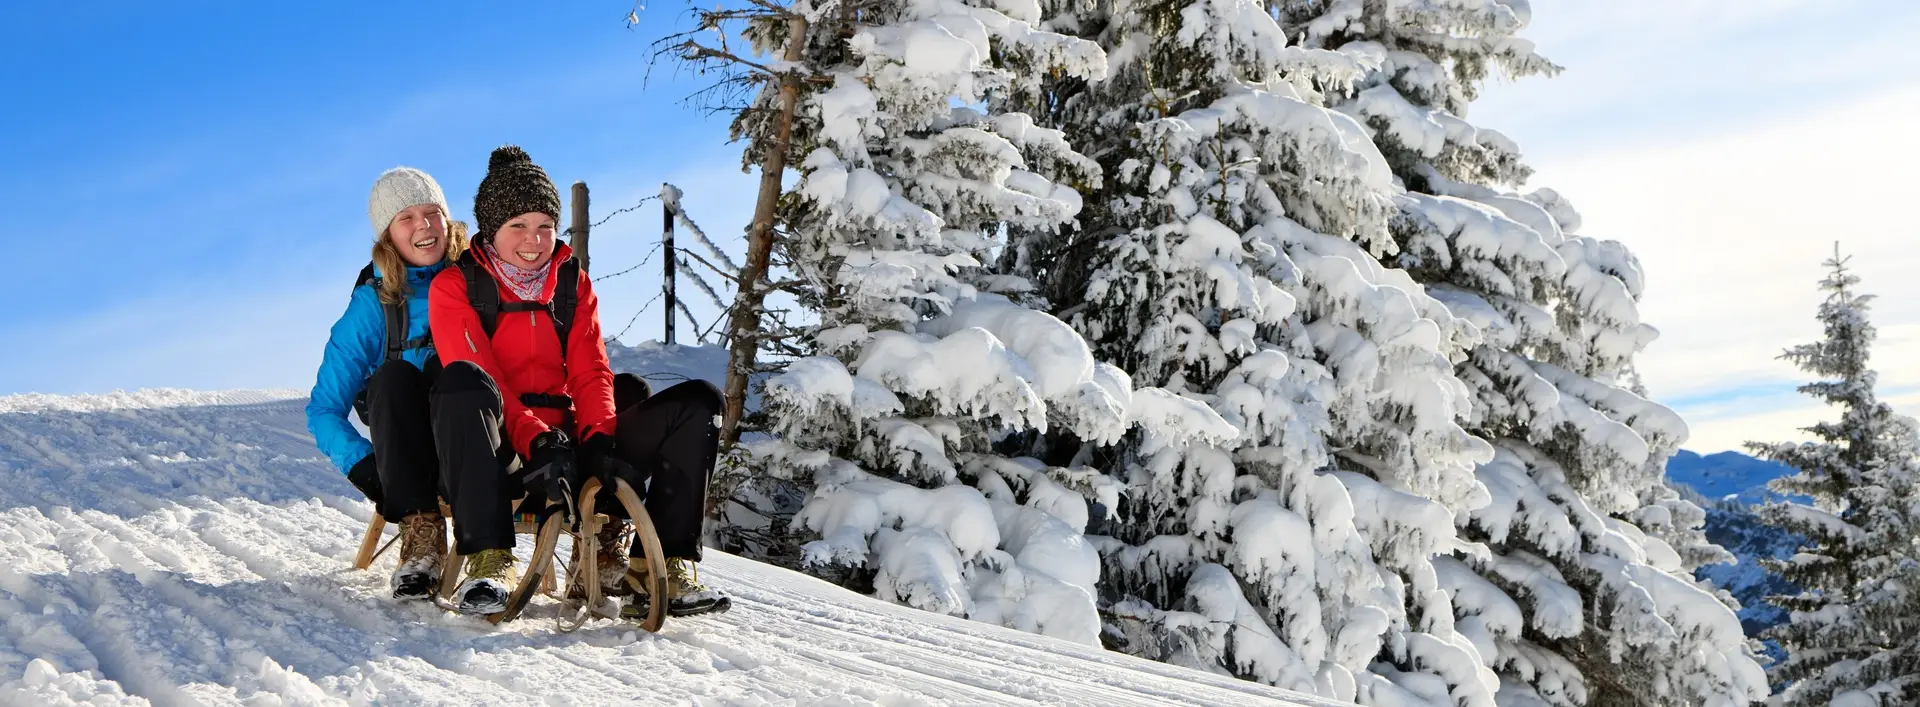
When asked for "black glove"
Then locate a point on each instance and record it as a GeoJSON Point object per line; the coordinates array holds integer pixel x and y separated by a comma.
{"type": "Point", "coordinates": [551, 469]}
{"type": "Point", "coordinates": [366, 477]}
{"type": "Point", "coordinates": [597, 460]}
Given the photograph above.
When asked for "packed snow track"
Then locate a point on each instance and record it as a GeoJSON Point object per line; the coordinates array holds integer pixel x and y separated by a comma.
{"type": "Point", "coordinates": [182, 548]}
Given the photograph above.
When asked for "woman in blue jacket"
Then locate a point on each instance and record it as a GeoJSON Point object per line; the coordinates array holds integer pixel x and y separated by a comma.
{"type": "Point", "coordinates": [380, 362]}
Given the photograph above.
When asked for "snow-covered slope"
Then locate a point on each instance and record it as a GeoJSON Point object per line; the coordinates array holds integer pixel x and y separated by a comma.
{"type": "Point", "coordinates": [182, 548]}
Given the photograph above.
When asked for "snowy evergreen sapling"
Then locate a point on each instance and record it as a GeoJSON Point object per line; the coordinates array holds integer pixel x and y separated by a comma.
{"type": "Point", "coordinates": [1853, 634]}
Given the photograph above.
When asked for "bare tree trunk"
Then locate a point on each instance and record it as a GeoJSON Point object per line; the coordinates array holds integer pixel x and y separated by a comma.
{"type": "Point", "coordinates": [743, 330]}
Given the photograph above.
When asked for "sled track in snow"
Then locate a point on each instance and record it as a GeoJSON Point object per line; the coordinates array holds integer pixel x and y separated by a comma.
{"type": "Point", "coordinates": [181, 548]}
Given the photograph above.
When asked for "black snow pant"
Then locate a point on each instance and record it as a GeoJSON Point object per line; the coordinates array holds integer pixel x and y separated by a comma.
{"type": "Point", "coordinates": [670, 440]}
{"type": "Point", "coordinates": [397, 413]}
{"type": "Point", "coordinates": [477, 464]}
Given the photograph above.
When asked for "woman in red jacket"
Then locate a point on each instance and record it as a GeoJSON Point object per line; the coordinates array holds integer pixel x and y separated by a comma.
{"type": "Point", "coordinates": [514, 398]}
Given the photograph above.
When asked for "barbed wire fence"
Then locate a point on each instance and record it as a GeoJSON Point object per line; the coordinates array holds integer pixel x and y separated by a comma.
{"type": "Point", "coordinates": [679, 265]}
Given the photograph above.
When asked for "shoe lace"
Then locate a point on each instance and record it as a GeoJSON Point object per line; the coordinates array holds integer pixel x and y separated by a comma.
{"type": "Point", "coordinates": [613, 537]}
{"type": "Point", "coordinates": [421, 529]}
{"type": "Point", "coordinates": [489, 564]}
{"type": "Point", "coordinates": [684, 576]}
{"type": "Point", "coordinates": [612, 556]}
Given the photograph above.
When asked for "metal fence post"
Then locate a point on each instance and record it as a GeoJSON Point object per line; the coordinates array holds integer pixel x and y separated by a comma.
{"type": "Point", "coordinates": [666, 245]}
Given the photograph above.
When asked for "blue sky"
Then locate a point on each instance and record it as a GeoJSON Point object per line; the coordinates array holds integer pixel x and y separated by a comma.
{"type": "Point", "coordinates": [189, 180]}
{"type": "Point", "coordinates": [201, 169]}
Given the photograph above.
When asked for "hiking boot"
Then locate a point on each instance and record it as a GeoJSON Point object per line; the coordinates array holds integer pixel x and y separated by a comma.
{"type": "Point", "coordinates": [423, 543]}
{"type": "Point", "coordinates": [611, 560]}
{"type": "Point", "coordinates": [686, 596]}
{"type": "Point", "coordinates": [489, 579]}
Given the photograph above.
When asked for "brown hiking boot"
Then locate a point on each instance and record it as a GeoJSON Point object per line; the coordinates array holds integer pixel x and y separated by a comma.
{"type": "Point", "coordinates": [610, 560]}
{"type": "Point", "coordinates": [423, 545]}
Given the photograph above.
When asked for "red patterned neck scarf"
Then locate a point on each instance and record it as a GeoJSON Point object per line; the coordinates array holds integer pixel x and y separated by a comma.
{"type": "Point", "coordinates": [526, 284]}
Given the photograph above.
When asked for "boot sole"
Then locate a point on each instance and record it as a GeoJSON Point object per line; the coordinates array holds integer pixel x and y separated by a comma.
{"type": "Point", "coordinates": [482, 609]}
{"type": "Point", "coordinates": [417, 591]}
{"type": "Point", "coordinates": [638, 612]}
{"type": "Point", "coordinates": [492, 607]}
{"type": "Point", "coordinates": [717, 607]}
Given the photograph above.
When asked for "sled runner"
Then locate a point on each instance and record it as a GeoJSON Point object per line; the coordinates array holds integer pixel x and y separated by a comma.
{"type": "Point", "coordinates": [646, 566]}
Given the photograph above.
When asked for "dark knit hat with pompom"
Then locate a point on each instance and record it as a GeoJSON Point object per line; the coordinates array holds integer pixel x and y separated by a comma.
{"type": "Point", "coordinates": [514, 185]}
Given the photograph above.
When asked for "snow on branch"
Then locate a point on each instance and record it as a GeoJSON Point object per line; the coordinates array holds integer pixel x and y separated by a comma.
{"type": "Point", "coordinates": [671, 195]}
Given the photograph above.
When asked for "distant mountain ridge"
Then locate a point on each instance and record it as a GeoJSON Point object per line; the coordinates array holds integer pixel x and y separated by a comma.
{"type": "Point", "coordinates": [1730, 484]}
{"type": "Point", "coordinates": [1718, 476]}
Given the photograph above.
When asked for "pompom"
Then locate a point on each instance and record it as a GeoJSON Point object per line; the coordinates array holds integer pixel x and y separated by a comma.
{"type": "Point", "coordinates": [507, 155]}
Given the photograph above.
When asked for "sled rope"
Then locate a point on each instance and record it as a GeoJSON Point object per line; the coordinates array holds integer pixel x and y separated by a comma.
{"type": "Point", "coordinates": [383, 549]}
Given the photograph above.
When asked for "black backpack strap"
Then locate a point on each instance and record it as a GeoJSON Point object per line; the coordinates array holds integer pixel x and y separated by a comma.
{"type": "Point", "coordinates": [396, 318]}
{"type": "Point", "coordinates": [544, 400]}
{"type": "Point", "coordinates": [397, 341]}
{"type": "Point", "coordinates": [482, 293]}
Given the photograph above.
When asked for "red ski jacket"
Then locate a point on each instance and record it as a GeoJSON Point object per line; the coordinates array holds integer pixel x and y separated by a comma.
{"type": "Point", "coordinates": [523, 355]}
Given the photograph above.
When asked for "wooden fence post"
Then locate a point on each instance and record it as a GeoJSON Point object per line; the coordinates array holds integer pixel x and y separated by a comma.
{"type": "Point", "coordinates": [581, 224]}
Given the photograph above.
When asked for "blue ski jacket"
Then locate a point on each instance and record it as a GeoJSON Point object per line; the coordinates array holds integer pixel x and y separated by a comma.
{"type": "Point", "coordinates": [355, 349]}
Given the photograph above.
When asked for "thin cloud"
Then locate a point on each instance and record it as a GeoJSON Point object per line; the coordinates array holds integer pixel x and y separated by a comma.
{"type": "Point", "coordinates": [1730, 145]}
{"type": "Point", "coordinates": [1732, 231]}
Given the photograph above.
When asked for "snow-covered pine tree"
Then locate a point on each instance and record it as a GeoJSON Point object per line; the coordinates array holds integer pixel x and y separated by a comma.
{"type": "Point", "coordinates": [915, 361]}
{"type": "Point", "coordinates": [1583, 593]}
{"type": "Point", "coordinates": [1230, 255]}
{"type": "Point", "coordinates": [1853, 638]}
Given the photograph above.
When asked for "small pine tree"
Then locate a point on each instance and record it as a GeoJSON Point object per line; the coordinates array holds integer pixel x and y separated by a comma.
{"type": "Point", "coordinates": [1854, 633]}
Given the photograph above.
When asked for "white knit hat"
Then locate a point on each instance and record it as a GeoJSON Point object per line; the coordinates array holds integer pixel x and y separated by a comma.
{"type": "Point", "coordinates": [400, 188]}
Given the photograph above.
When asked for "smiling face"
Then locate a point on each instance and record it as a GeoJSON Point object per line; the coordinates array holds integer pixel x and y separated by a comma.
{"type": "Point", "coordinates": [419, 233]}
{"type": "Point", "coordinates": [526, 240]}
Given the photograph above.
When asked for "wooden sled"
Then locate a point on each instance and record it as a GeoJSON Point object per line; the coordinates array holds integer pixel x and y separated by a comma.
{"type": "Point", "coordinates": [646, 566]}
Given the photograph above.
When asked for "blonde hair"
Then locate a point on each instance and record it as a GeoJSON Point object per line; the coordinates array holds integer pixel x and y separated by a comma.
{"type": "Point", "coordinates": [387, 260]}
